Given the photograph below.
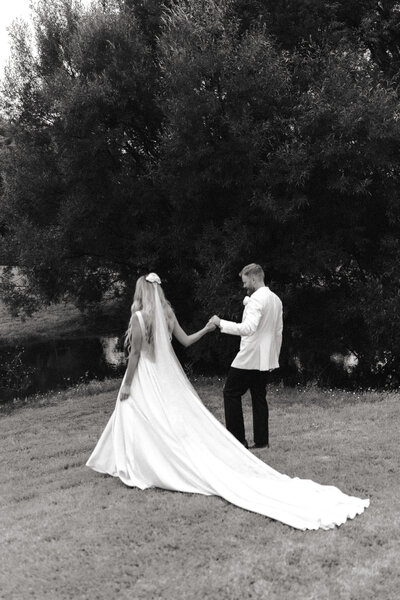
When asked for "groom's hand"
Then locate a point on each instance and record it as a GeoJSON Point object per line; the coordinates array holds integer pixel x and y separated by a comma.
{"type": "Point", "coordinates": [215, 320]}
{"type": "Point", "coordinates": [210, 326]}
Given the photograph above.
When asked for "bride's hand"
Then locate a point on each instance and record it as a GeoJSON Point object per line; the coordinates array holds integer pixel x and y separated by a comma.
{"type": "Point", "coordinates": [125, 392]}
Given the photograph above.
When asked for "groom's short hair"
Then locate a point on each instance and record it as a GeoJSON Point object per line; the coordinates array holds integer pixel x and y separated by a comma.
{"type": "Point", "coordinates": [252, 269]}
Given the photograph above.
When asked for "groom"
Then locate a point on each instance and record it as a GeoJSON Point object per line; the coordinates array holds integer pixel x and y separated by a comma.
{"type": "Point", "coordinates": [261, 340]}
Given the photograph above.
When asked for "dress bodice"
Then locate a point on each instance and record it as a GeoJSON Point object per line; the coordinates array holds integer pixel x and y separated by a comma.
{"type": "Point", "coordinates": [145, 343]}
{"type": "Point", "coordinates": [143, 329]}
{"type": "Point", "coordinates": [141, 322]}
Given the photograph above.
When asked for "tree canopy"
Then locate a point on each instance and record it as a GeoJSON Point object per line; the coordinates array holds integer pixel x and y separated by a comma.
{"type": "Point", "coordinates": [193, 137]}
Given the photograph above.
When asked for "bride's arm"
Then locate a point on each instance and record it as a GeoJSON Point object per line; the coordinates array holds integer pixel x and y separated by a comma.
{"type": "Point", "coordinates": [188, 340]}
{"type": "Point", "coordinates": [136, 345]}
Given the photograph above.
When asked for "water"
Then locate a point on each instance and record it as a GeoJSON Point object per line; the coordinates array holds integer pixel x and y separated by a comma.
{"type": "Point", "coordinates": [60, 363]}
{"type": "Point", "coordinates": [55, 364]}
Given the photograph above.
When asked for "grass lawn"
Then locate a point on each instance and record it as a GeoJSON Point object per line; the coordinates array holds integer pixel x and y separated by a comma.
{"type": "Point", "coordinates": [70, 533]}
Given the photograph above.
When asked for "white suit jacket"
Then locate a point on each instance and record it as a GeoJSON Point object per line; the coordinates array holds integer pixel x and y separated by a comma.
{"type": "Point", "coordinates": [260, 330]}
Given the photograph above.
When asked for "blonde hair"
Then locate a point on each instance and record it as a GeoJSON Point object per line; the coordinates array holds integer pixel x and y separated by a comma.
{"type": "Point", "coordinates": [144, 300]}
{"type": "Point", "coordinates": [252, 269]}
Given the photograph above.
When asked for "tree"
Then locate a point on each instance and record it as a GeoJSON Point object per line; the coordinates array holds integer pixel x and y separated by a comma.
{"type": "Point", "coordinates": [289, 159]}
{"type": "Point", "coordinates": [196, 137]}
{"type": "Point", "coordinates": [86, 130]}
{"type": "Point", "coordinates": [372, 25]}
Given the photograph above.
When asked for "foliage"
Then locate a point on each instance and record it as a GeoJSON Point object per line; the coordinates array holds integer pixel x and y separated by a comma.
{"type": "Point", "coordinates": [197, 136]}
{"type": "Point", "coordinates": [289, 160]}
{"type": "Point", "coordinates": [86, 130]}
{"type": "Point", "coordinates": [14, 374]}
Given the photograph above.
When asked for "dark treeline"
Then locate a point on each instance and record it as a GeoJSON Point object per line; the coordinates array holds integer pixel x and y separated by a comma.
{"type": "Point", "coordinates": [193, 137]}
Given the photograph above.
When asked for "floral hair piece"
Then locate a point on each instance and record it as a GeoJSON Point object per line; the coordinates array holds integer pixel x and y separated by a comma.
{"type": "Point", "coordinates": [153, 278]}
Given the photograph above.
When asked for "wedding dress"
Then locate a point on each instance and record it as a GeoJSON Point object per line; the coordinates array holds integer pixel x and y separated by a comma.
{"type": "Point", "coordinates": [163, 436]}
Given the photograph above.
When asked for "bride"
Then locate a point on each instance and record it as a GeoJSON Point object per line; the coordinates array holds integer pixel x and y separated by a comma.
{"type": "Point", "coordinates": [161, 435]}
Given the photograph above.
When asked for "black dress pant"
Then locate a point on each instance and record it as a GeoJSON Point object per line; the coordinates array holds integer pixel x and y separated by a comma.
{"type": "Point", "coordinates": [237, 384]}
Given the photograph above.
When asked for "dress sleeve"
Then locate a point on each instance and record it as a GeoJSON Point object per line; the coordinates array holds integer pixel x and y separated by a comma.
{"type": "Point", "coordinates": [250, 322]}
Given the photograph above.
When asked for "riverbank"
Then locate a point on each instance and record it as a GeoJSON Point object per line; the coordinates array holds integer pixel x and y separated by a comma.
{"type": "Point", "coordinates": [70, 532]}
{"type": "Point", "coordinates": [57, 347]}
{"type": "Point", "coordinates": [57, 321]}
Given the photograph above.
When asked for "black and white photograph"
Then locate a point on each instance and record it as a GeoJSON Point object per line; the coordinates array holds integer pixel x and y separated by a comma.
{"type": "Point", "coordinates": [199, 299]}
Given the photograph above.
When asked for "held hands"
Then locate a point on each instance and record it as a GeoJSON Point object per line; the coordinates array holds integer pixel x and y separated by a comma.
{"type": "Point", "coordinates": [213, 323]}
{"type": "Point", "coordinates": [215, 320]}
{"type": "Point", "coordinates": [210, 326]}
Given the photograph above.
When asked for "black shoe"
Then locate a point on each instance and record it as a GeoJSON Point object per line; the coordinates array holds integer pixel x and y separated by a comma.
{"type": "Point", "coordinates": [255, 446]}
